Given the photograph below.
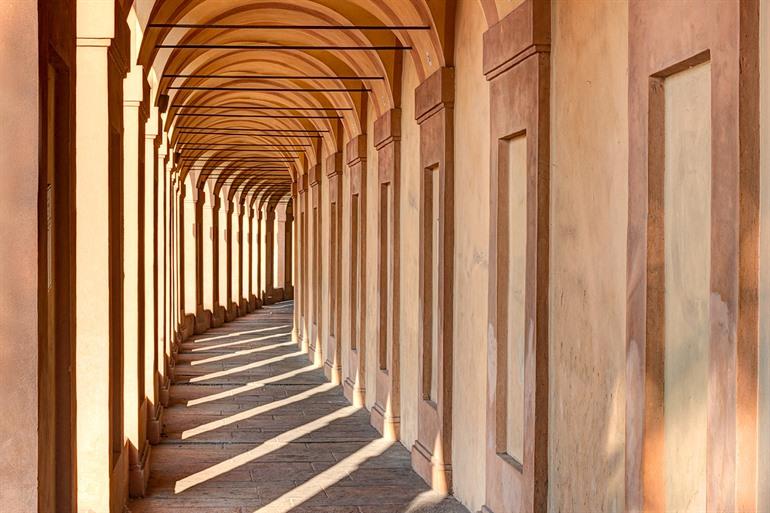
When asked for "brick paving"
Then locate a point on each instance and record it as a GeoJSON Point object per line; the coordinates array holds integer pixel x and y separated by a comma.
{"type": "Point", "coordinates": [252, 427]}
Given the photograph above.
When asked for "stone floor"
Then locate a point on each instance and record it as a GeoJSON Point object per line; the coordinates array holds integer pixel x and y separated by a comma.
{"type": "Point", "coordinates": [252, 427]}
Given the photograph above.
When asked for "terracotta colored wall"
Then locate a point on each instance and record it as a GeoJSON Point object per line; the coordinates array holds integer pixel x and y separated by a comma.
{"type": "Point", "coordinates": [18, 254]}
{"type": "Point", "coordinates": [589, 162]}
{"type": "Point", "coordinates": [471, 257]}
{"type": "Point", "coordinates": [410, 257]}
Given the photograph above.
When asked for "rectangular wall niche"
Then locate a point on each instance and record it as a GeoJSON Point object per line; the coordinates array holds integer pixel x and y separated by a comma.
{"type": "Point", "coordinates": [687, 261]}
{"type": "Point", "coordinates": [513, 176]}
{"type": "Point", "coordinates": [354, 272]}
{"type": "Point", "coordinates": [432, 243]}
{"type": "Point", "coordinates": [386, 259]}
{"type": "Point", "coordinates": [333, 259]}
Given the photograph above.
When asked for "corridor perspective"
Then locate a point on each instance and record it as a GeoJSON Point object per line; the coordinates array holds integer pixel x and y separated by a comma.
{"type": "Point", "coordinates": [384, 256]}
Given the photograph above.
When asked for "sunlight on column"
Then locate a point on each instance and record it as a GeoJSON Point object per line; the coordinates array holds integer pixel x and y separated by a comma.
{"type": "Point", "coordinates": [241, 352]}
{"type": "Point", "coordinates": [239, 342]}
{"type": "Point", "coordinates": [253, 412]}
{"type": "Point", "coordinates": [263, 449]}
{"type": "Point", "coordinates": [239, 333]}
{"type": "Point", "coordinates": [241, 368]}
{"type": "Point", "coordinates": [325, 479]}
{"type": "Point", "coordinates": [250, 386]}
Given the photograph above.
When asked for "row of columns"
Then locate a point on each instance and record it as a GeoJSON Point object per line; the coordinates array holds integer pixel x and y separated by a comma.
{"type": "Point", "coordinates": [235, 253]}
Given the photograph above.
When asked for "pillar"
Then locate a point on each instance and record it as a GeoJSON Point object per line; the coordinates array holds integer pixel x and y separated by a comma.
{"type": "Point", "coordinates": [250, 251]}
{"type": "Point", "coordinates": [235, 257]}
{"type": "Point", "coordinates": [386, 410]}
{"type": "Point", "coordinates": [153, 276]}
{"type": "Point", "coordinates": [242, 263]}
{"type": "Point", "coordinates": [188, 262]}
{"type": "Point", "coordinates": [693, 104]}
{"type": "Point", "coordinates": [354, 385]}
{"type": "Point", "coordinates": [296, 329]}
{"type": "Point", "coordinates": [269, 254]}
{"type": "Point", "coordinates": [135, 114]}
{"type": "Point", "coordinates": [279, 249]}
{"type": "Point", "coordinates": [256, 221]}
{"type": "Point", "coordinates": [202, 315]}
{"type": "Point", "coordinates": [102, 63]}
{"type": "Point", "coordinates": [333, 360]}
{"type": "Point", "coordinates": [288, 259]}
{"type": "Point", "coordinates": [231, 312]}
{"type": "Point", "coordinates": [314, 285]}
{"type": "Point", "coordinates": [207, 237]}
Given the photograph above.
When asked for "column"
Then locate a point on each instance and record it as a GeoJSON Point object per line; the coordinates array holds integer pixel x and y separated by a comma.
{"type": "Point", "coordinates": [153, 234]}
{"type": "Point", "coordinates": [354, 385]}
{"type": "Point", "coordinates": [135, 113]}
{"type": "Point", "coordinates": [250, 254]}
{"type": "Point", "coordinates": [269, 255]}
{"type": "Point", "coordinates": [230, 305]}
{"type": "Point", "coordinates": [387, 140]}
{"type": "Point", "coordinates": [202, 317]}
{"type": "Point", "coordinates": [188, 263]}
{"type": "Point", "coordinates": [315, 349]}
{"type": "Point", "coordinates": [256, 220]}
{"type": "Point", "coordinates": [218, 262]}
{"type": "Point", "coordinates": [207, 236]}
{"type": "Point", "coordinates": [333, 361]}
{"type": "Point", "coordinates": [242, 265]}
{"type": "Point", "coordinates": [288, 259]}
{"type": "Point", "coordinates": [280, 250]}
{"type": "Point", "coordinates": [102, 56]}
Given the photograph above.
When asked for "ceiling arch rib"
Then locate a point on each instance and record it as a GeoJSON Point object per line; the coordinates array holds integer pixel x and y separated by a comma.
{"type": "Point", "coordinates": [259, 89]}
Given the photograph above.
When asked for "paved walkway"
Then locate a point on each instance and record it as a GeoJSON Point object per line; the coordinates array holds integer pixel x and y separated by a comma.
{"type": "Point", "coordinates": [253, 427]}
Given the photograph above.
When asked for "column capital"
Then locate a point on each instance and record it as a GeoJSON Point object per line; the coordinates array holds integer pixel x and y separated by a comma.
{"type": "Point", "coordinates": [434, 94]}
{"type": "Point", "coordinates": [334, 164]}
{"type": "Point", "coordinates": [314, 175]}
{"type": "Point", "coordinates": [387, 128]}
{"type": "Point", "coordinates": [355, 150]}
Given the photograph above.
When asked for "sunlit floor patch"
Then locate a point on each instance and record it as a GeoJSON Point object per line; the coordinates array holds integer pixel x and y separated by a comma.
{"type": "Point", "coordinates": [253, 412]}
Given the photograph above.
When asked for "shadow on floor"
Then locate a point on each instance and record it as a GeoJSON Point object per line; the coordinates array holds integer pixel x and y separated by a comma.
{"type": "Point", "coordinates": [252, 427]}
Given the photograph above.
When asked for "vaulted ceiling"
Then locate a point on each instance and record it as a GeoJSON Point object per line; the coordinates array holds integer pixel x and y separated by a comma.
{"type": "Point", "coordinates": [259, 90]}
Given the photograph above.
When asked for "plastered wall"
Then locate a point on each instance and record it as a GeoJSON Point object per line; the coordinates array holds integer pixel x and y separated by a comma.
{"type": "Point", "coordinates": [372, 220]}
{"type": "Point", "coordinates": [589, 181]}
{"type": "Point", "coordinates": [19, 254]}
{"type": "Point", "coordinates": [410, 257]}
{"type": "Point", "coordinates": [471, 256]}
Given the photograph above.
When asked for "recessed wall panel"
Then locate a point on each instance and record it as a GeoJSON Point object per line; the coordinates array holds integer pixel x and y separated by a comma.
{"type": "Point", "coordinates": [687, 236]}
{"type": "Point", "coordinates": [516, 158]}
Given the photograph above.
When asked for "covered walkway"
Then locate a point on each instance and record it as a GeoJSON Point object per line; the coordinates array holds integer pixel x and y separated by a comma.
{"type": "Point", "coordinates": [384, 256]}
{"type": "Point", "coordinates": [252, 427]}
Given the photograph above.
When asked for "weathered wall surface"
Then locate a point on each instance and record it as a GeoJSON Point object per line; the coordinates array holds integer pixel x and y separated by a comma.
{"type": "Point", "coordinates": [471, 276]}
{"type": "Point", "coordinates": [18, 254]}
{"type": "Point", "coordinates": [410, 257]}
{"type": "Point", "coordinates": [589, 182]}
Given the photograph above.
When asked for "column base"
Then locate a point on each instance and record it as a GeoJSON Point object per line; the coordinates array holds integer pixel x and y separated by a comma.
{"type": "Point", "coordinates": [202, 321]}
{"type": "Point", "coordinates": [163, 393]}
{"type": "Point", "coordinates": [243, 307]}
{"type": "Point", "coordinates": [231, 313]}
{"type": "Point", "coordinates": [155, 424]}
{"type": "Point", "coordinates": [139, 474]}
{"type": "Point", "coordinates": [438, 476]}
{"type": "Point", "coordinates": [188, 326]}
{"type": "Point", "coordinates": [386, 424]}
{"type": "Point", "coordinates": [332, 373]}
{"type": "Point", "coordinates": [218, 316]}
{"type": "Point", "coordinates": [355, 394]}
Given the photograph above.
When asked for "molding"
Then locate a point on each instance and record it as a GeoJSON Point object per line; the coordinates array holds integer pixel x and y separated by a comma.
{"type": "Point", "coordinates": [434, 94]}
{"type": "Point", "coordinates": [524, 32]}
{"type": "Point", "coordinates": [387, 128]}
{"type": "Point", "coordinates": [334, 164]}
{"type": "Point", "coordinates": [355, 150]}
